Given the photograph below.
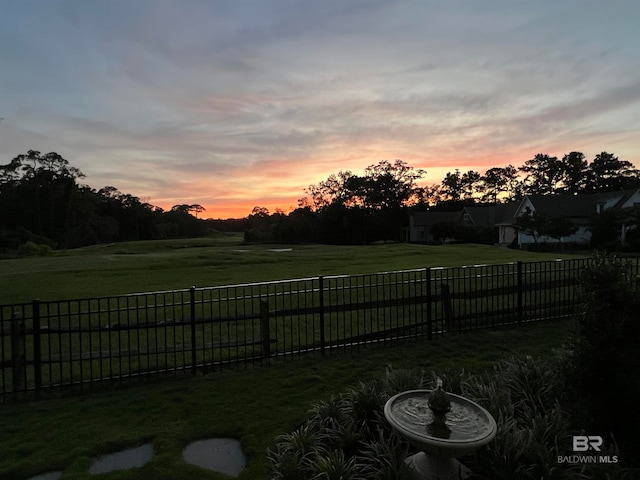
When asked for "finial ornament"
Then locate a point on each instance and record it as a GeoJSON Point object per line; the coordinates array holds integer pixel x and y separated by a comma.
{"type": "Point", "coordinates": [439, 401]}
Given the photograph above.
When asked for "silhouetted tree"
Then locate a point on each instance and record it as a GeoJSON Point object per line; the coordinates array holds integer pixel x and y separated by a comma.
{"type": "Point", "coordinates": [189, 209]}
{"type": "Point", "coordinates": [41, 201]}
{"type": "Point", "coordinates": [543, 174]}
{"type": "Point", "coordinates": [343, 188]}
{"type": "Point", "coordinates": [558, 227]}
{"type": "Point", "coordinates": [574, 173]}
{"type": "Point", "coordinates": [608, 173]}
{"type": "Point", "coordinates": [197, 209]}
{"type": "Point", "coordinates": [531, 223]}
{"type": "Point", "coordinates": [495, 181]}
{"type": "Point", "coordinates": [180, 222]}
{"type": "Point", "coordinates": [605, 229]}
{"type": "Point", "coordinates": [451, 187]}
{"type": "Point", "coordinates": [469, 184]}
{"type": "Point", "coordinates": [390, 186]}
{"type": "Point", "coordinates": [36, 193]}
{"type": "Point", "coordinates": [384, 186]}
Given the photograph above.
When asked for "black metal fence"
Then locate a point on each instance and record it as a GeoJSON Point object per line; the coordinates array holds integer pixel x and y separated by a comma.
{"type": "Point", "coordinates": [49, 344]}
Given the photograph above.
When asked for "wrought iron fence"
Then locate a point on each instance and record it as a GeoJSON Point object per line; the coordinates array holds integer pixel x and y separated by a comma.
{"type": "Point", "coordinates": [49, 344]}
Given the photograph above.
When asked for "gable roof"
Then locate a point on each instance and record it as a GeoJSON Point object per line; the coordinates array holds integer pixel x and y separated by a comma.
{"type": "Point", "coordinates": [619, 198]}
{"type": "Point", "coordinates": [430, 218]}
{"type": "Point", "coordinates": [578, 206]}
{"type": "Point", "coordinates": [489, 216]}
{"type": "Point", "coordinates": [563, 205]}
{"type": "Point", "coordinates": [572, 206]}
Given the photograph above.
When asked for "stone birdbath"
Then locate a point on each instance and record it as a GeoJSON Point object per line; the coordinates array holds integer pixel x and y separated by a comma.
{"type": "Point", "coordinates": [443, 426]}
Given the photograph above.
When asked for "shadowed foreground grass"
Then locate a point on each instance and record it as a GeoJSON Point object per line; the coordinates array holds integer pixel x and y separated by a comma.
{"type": "Point", "coordinates": [254, 405]}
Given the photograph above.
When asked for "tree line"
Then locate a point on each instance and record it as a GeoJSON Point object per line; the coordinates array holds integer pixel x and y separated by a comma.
{"type": "Point", "coordinates": [541, 175]}
{"type": "Point", "coordinates": [350, 208]}
{"type": "Point", "coordinates": [389, 185]}
{"type": "Point", "coordinates": [43, 200]}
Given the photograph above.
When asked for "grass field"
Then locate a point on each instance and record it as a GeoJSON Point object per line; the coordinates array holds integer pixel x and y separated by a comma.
{"type": "Point", "coordinates": [223, 260]}
{"type": "Point", "coordinates": [254, 405]}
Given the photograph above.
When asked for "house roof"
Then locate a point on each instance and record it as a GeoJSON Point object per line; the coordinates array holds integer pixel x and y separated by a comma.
{"type": "Point", "coordinates": [430, 218]}
{"type": "Point", "coordinates": [577, 206]}
{"type": "Point", "coordinates": [620, 197]}
{"type": "Point", "coordinates": [489, 216]}
{"type": "Point", "coordinates": [564, 205]}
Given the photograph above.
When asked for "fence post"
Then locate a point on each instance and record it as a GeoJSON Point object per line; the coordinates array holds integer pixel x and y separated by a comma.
{"type": "Point", "coordinates": [429, 300]}
{"type": "Point", "coordinates": [447, 304]}
{"type": "Point", "coordinates": [17, 352]}
{"type": "Point", "coordinates": [321, 292]}
{"type": "Point", "coordinates": [192, 302]}
{"type": "Point", "coordinates": [37, 356]}
{"type": "Point", "coordinates": [520, 279]}
{"type": "Point", "coordinates": [265, 332]}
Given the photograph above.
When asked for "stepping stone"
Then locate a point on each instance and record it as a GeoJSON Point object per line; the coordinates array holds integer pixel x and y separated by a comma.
{"type": "Point", "coordinates": [123, 460]}
{"type": "Point", "coordinates": [223, 455]}
{"type": "Point", "coordinates": [47, 476]}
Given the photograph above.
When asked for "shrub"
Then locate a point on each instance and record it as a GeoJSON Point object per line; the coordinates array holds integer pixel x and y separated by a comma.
{"type": "Point", "coordinates": [604, 363]}
{"type": "Point", "coordinates": [348, 437]}
{"type": "Point", "coordinates": [521, 394]}
{"type": "Point", "coordinates": [32, 249]}
{"type": "Point", "coordinates": [383, 458]}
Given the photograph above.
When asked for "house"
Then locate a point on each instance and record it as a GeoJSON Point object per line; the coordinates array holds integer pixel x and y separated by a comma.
{"type": "Point", "coordinates": [492, 217]}
{"type": "Point", "coordinates": [480, 218]}
{"type": "Point", "coordinates": [421, 225]}
{"type": "Point", "coordinates": [577, 208]}
{"type": "Point", "coordinates": [580, 209]}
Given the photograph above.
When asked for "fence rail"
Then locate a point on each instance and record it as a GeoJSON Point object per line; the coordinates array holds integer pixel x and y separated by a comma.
{"type": "Point", "coordinates": [45, 345]}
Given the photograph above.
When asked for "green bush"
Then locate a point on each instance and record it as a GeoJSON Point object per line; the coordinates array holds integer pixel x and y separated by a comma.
{"type": "Point", "coordinates": [603, 369]}
{"type": "Point", "coordinates": [522, 395]}
{"type": "Point", "coordinates": [32, 249]}
{"type": "Point", "coordinates": [348, 437]}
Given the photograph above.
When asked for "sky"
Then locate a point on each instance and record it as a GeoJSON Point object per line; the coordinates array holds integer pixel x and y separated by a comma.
{"type": "Point", "coordinates": [233, 104]}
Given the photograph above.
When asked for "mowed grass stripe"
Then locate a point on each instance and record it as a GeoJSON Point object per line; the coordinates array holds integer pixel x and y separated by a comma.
{"type": "Point", "coordinates": [146, 266]}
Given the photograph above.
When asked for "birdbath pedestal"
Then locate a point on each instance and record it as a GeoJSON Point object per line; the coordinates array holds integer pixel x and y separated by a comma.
{"type": "Point", "coordinates": [443, 426]}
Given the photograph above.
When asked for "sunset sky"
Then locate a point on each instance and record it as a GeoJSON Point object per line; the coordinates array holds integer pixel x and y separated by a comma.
{"type": "Point", "coordinates": [238, 103]}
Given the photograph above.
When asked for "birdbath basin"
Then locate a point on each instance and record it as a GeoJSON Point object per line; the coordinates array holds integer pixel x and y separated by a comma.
{"type": "Point", "coordinates": [440, 436]}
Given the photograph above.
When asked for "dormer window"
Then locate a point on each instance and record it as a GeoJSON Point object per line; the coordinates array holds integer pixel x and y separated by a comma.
{"type": "Point", "coordinates": [600, 208]}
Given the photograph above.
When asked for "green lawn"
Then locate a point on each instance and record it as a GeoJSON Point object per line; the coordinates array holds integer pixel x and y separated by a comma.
{"type": "Point", "coordinates": [175, 264]}
{"type": "Point", "coordinates": [254, 405]}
